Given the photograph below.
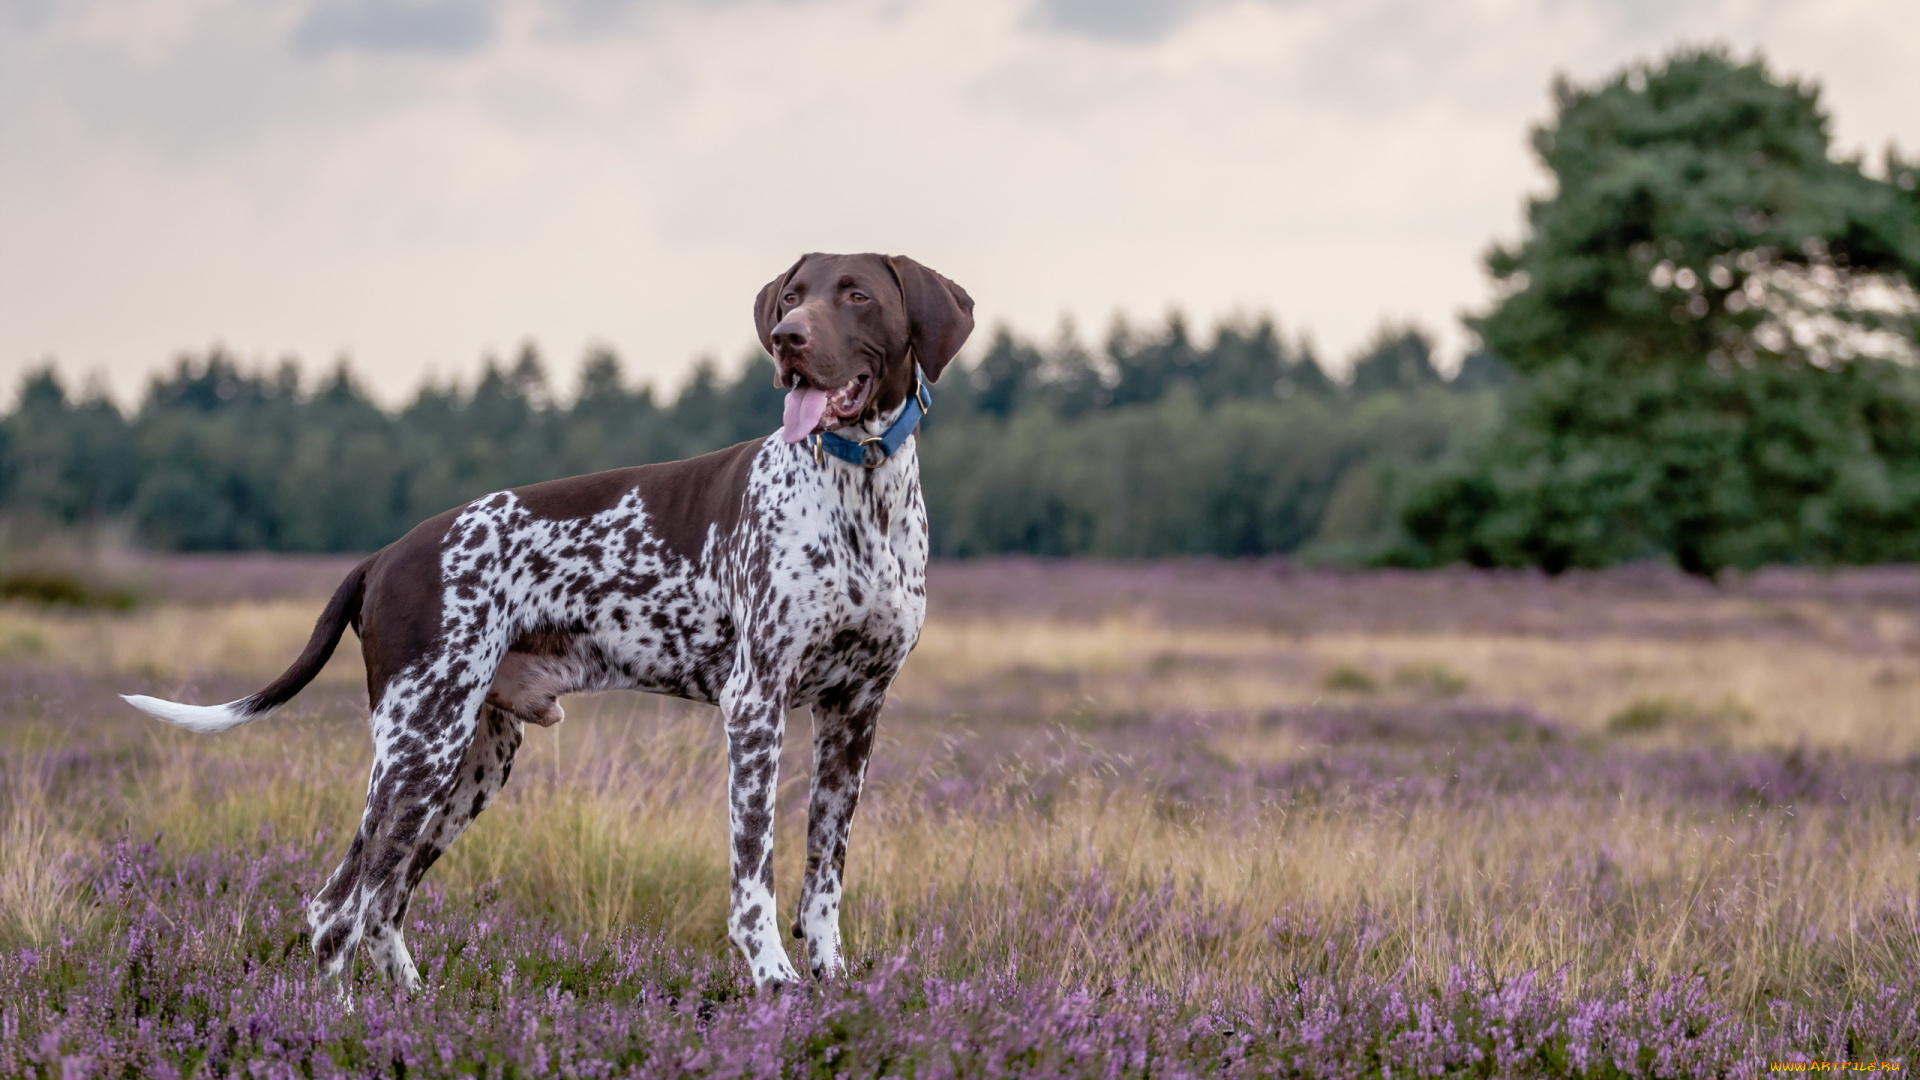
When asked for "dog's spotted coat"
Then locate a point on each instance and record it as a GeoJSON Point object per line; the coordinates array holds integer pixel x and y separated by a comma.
{"type": "Point", "coordinates": [757, 578]}
{"type": "Point", "coordinates": [813, 596]}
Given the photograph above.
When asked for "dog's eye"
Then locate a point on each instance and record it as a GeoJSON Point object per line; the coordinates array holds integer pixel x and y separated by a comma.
{"type": "Point", "coordinates": [790, 298]}
{"type": "Point", "coordinates": [858, 297]}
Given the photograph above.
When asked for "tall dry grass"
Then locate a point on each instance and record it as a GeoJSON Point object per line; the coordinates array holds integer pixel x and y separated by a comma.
{"type": "Point", "coordinates": [40, 897]}
{"type": "Point", "coordinates": [1793, 690]}
{"type": "Point", "coordinates": [1028, 770]}
{"type": "Point", "coordinates": [620, 822]}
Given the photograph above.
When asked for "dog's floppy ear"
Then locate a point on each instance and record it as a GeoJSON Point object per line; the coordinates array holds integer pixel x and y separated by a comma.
{"type": "Point", "coordinates": [939, 314]}
{"type": "Point", "coordinates": [767, 306]}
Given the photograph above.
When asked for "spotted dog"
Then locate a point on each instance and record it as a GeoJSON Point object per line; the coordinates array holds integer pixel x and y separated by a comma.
{"type": "Point", "coordinates": [781, 572]}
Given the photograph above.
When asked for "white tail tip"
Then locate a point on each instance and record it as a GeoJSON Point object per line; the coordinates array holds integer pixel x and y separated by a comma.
{"type": "Point", "coordinates": [206, 719]}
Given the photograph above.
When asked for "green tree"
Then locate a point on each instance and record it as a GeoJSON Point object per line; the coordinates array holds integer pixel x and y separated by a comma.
{"type": "Point", "coordinates": [342, 486]}
{"type": "Point", "coordinates": [610, 425]}
{"type": "Point", "coordinates": [1400, 358]}
{"type": "Point", "coordinates": [211, 438]}
{"type": "Point", "coordinates": [1007, 377]}
{"type": "Point", "coordinates": [1071, 382]}
{"type": "Point", "coordinates": [1714, 324]}
{"type": "Point", "coordinates": [61, 460]}
{"type": "Point", "coordinates": [1482, 370]}
{"type": "Point", "coordinates": [1147, 368]}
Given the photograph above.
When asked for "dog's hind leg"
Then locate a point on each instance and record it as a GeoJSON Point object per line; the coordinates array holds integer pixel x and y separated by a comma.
{"type": "Point", "coordinates": [483, 773]}
{"type": "Point", "coordinates": [416, 767]}
{"type": "Point", "coordinates": [842, 743]}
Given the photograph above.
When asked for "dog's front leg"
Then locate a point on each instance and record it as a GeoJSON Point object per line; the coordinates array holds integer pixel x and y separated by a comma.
{"type": "Point", "coordinates": [842, 742]}
{"type": "Point", "coordinates": [754, 726]}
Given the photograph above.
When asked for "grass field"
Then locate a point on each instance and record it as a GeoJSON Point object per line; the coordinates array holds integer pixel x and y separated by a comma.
{"type": "Point", "coordinates": [1153, 819]}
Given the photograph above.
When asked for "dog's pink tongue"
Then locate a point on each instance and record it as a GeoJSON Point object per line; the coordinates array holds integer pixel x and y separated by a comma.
{"type": "Point", "coordinates": [805, 405]}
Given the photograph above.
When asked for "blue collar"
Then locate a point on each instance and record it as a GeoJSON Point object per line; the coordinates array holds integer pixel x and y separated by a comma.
{"type": "Point", "coordinates": [856, 453]}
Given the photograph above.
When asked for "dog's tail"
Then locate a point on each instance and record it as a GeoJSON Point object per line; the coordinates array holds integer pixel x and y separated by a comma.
{"type": "Point", "coordinates": [343, 609]}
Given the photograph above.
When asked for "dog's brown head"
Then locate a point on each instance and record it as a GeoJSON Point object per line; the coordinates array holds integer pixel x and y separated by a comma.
{"type": "Point", "coordinates": [845, 330]}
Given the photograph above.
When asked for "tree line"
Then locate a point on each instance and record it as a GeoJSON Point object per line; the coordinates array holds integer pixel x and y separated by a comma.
{"type": "Point", "coordinates": [1153, 444]}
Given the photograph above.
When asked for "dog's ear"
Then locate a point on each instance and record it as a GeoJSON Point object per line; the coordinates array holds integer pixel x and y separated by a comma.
{"type": "Point", "coordinates": [939, 314]}
{"type": "Point", "coordinates": [766, 307]}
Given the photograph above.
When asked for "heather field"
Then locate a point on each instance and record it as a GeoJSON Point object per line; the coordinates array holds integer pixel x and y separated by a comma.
{"type": "Point", "coordinates": [1126, 820]}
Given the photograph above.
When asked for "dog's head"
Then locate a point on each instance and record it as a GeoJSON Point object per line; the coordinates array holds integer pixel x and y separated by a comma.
{"type": "Point", "coordinates": [844, 332]}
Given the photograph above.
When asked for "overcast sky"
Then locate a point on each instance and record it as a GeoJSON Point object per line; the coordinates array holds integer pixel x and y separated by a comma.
{"type": "Point", "coordinates": [418, 183]}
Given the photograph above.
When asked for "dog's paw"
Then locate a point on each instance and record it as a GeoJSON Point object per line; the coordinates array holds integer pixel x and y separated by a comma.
{"type": "Point", "coordinates": [775, 972]}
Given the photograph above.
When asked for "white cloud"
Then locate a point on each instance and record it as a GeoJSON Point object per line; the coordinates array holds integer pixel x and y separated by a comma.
{"type": "Point", "coordinates": [390, 181]}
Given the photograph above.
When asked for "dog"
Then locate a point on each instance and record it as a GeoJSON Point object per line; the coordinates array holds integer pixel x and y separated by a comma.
{"type": "Point", "coordinates": [781, 572]}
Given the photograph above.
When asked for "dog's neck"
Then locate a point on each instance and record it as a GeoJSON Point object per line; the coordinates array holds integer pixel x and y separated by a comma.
{"type": "Point", "coordinates": [893, 482]}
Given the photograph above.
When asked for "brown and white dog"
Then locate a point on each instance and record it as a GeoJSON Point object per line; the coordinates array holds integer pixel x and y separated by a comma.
{"type": "Point", "coordinates": [761, 577]}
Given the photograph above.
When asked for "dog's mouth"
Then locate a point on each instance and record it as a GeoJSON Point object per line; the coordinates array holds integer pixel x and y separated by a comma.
{"type": "Point", "coordinates": [811, 410]}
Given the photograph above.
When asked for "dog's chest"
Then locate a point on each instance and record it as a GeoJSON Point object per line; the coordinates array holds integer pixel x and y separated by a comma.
{"type": "Point", "coordinates": [846, 550]}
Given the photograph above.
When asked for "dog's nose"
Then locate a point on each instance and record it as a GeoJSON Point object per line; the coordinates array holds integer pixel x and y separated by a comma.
{"type": "Point", "coordinates": [789, 334]}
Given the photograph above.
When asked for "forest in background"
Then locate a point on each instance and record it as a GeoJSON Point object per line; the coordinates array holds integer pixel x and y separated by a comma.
{"type": "Point", "coordinates": [1154, 445]}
